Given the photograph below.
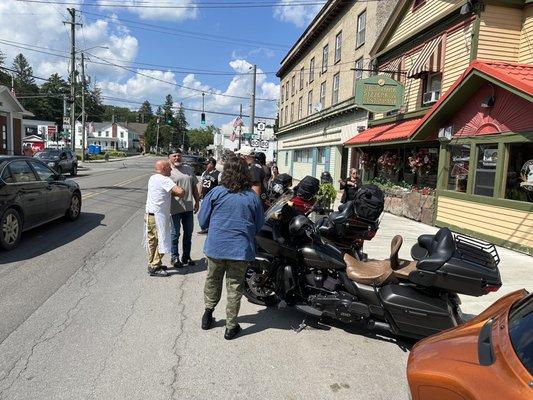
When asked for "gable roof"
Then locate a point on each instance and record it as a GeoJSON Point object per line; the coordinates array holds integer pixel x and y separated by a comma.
{"type": "Point", "coordinates": [385, 133]}
{"type": "Point", "coordinates": [4, 90]}
{"type": "Point", "coordinates": [516, 78]}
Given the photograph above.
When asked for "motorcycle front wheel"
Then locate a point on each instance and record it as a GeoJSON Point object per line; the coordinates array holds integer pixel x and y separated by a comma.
{"type": "Point", "coordinates": [259, 289]}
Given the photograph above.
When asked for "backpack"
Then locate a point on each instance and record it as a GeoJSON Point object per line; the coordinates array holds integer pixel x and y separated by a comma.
{"type": "Point", "coordinates": [308, 188]}
{"type": "Point", "coordinates": [369, 202]}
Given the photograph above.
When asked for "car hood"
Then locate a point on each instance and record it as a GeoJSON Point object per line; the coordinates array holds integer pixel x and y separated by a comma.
{"type": "Point", "coordinates": [460, 344]}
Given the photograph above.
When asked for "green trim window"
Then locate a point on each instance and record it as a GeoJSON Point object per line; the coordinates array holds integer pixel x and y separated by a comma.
{"type": "Point", "coordinates": [303, 155]}
{"type": "Point", "coordinates": [321, 156]}
{"type": "Point", "coordinates": [519, 177]}
{"type": "Point", "coordinates": [485, 173]}
{"type": "Point", "coordinates": [489, 169]}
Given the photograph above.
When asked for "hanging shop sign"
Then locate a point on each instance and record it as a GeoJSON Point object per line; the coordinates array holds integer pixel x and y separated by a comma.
{"type": "Point", "coordinates": [379, 94]}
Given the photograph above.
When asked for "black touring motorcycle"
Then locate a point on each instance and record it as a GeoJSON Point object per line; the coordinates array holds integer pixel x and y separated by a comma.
{"type": "Point", "coordinates": [405, 298]}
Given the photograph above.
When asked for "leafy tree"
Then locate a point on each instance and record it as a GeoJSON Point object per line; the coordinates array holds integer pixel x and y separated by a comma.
{"type": "Point", "coordinates": [181, 127]}
{"type": "Point", "coordinates": [121, 114]}
{"type": "Point", "coordinates": [52, 106]}
{"type": "Point", "coordinates": [199, 139]}
{"type": "Point", "coordinates": [94, 107]}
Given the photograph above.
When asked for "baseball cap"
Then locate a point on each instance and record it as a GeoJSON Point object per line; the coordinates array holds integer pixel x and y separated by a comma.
{"type": "Point", "coordinates": [211, 160]}
{"type": "Point", "coordinates": [246, 151]}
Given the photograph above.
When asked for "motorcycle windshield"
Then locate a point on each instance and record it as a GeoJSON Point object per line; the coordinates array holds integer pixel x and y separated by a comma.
{"type": "Point", "coordinates": [274, 210]}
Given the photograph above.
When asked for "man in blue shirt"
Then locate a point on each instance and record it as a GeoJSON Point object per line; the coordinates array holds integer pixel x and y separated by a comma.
{"type": "Point", "coordinates": [233, 215]}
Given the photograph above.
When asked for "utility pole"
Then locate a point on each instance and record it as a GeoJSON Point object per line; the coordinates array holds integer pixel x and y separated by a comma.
{"type": "Point", "coordinates": [157, 138]}
{"type": "Point", "coordinates": [64, 115]}
{"type": "Point", "coordinates": [252, 101]}
{"type": "Point", "coordinates": [83, 117]}
{"type": "Point", "coordinates": [72, 100]}
{"type": "Point", "coordinates": [240, 127]}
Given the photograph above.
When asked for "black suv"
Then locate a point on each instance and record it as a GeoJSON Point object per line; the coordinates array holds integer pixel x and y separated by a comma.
{"type": "Point", "coordinates": [197, 163]}
{"type": "Point", "coordinates": [60, 160]}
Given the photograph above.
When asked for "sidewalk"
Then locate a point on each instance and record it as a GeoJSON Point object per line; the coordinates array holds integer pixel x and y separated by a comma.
{"type": "Point", "coordinates": [516, 269]}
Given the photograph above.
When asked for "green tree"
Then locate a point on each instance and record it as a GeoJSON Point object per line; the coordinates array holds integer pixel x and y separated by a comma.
{"type": "Point", "coordinates": [25, 84]}
{"type": "Point", "coordinates": [199, 139]}
{"type": "Point", "coordinates": [52, 106]}
{"type": "Point", "coordinates": [181, 127]}
{"type": "Point", "coordinates": [94, 106]}
{"type": "Point", "coordinates": [145, 112]}
{"type": "Point", "coordinates": [5, 78]}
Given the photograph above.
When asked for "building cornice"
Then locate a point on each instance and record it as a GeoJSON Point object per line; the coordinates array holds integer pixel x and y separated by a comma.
{"type": "Point", "coordinates": [313, 30]}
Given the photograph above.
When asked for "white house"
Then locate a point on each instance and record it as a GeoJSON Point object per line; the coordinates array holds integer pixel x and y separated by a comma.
{"type": "Point", "coordinates": [109, 135]}
{"type": "Point", "coordinates": [11, 113]}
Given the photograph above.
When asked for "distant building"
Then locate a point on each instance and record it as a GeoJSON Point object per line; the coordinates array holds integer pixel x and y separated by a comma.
{"type": "Point", "coordinates": [11, 114]}
{"type": "Point", "coordinates": [266, 142]}
{"type": "Point", "coordinates": [111, 136]}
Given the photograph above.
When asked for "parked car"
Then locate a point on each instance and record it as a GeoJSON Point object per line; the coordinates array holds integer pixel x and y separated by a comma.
{"type": "Point", "coordinates": [489, 357]}
{"type": "Point", "coordinates": [32, 194]}
{"type": "Point", "coordinates": [195, 162]}
{"type": "Point", "coordinates": [60, 160]}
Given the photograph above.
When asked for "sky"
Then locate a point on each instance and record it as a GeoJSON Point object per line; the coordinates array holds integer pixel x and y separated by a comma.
{"type": "Point", "coordinates": [151, 51]}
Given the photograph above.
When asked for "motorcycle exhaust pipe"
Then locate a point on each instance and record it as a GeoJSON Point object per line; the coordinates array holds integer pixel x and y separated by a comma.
{"type": "Point", "coordinates": [378, 325]}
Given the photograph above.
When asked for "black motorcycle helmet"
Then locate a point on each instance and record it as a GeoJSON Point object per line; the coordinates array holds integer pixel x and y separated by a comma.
{"type": "Point", "coordinates": [281, 183]}
{"type": "Point", "coordinates": [300, 225]}
{"type": "Point", "coordinates": [326, 177]}
{"type": "Point", "coordinates": [308, 188]}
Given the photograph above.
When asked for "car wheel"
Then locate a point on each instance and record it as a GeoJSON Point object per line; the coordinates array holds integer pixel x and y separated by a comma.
{"type": "Point", "coordinates": [74, 209]}
{"type": "Point", "coordinates": [10, 229]}
{"type": "Point", "coordinates": [74, 171]}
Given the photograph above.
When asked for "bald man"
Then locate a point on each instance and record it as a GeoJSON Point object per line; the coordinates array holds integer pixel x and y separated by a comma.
{"type": "Point", "coordinates": [157, 221]}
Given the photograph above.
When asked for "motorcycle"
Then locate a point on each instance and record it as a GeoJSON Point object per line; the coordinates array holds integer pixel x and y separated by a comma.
{"type": "Point", "coordinates": [405, 298]}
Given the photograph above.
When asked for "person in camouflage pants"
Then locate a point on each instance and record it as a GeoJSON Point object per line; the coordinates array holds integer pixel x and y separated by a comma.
{"type": "Point", "coordinates": [232, 214]}
{"type": "Point", "coordinates": [235, 272]}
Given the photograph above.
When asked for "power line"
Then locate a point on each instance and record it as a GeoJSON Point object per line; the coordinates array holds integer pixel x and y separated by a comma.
{"type": "Point", "coordinates": [203, 36]}
{"type": "Point", "coordinates": [197, 5]}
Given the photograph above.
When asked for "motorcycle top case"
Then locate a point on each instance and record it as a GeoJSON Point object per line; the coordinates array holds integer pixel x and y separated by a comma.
{"type": "Point", "coordinates": [369, 202]}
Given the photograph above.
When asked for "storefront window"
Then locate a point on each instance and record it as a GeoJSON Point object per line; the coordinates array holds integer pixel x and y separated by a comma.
{"type": "Point", "coordinates": [458, 172]}
{"type": "Point", "coordinates": [519, 183]}
{"type": "Point", "coordinates": [486, 160]}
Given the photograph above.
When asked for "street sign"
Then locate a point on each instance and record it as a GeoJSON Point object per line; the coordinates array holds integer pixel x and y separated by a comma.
{"type": "Point", "coordinates": [254, 143]}
{"type": "Point", "coordinates": [66, 120]}
{"type": "Point", "coordinates": [261, 126]}
{"type": "Point", "coordinates": [264, 144]}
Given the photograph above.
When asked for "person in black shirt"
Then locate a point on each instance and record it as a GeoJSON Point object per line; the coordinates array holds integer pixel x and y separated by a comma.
{"type": "Point", "coordinates": [209, 178]}
{"type": "Point", "coordinates": [256, 171]}
{"type": "Point", "coordinates": [350, 186]}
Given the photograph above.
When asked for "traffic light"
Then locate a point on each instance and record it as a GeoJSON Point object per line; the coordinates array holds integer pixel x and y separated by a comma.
{"type": "Point", "coordinates": [202, 119]}
{"type": "Point", "coordinates": [169, 119]}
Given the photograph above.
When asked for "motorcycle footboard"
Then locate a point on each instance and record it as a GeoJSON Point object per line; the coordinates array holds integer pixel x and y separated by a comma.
{"type": "Point", "coordinates": [416, 314]}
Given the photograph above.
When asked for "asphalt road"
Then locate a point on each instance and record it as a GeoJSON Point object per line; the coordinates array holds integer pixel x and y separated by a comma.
{"type": "Point", "coordinates": [81, 319]}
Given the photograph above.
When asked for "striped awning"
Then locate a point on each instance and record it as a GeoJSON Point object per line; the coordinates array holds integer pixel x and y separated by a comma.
{"type": "Point", "coordinates": [392, 67]}
{"type": "Point", "coordinates": [429, 60]}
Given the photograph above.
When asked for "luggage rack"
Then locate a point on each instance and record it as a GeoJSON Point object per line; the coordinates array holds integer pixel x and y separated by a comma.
{"type": "Point", "coordinates": [477, 251]}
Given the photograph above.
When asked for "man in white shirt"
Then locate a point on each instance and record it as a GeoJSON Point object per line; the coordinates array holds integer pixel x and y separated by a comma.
{"type": "Point", "coordinates": [158, 225]}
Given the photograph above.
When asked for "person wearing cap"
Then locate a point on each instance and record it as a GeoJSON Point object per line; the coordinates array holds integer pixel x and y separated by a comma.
{"type": "Point", "coordinates": [256, 171]}
{"type": "Point", "coordinates": [182, 209]}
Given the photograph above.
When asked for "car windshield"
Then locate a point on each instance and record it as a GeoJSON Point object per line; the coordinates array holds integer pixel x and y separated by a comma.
{"type": "Point", "coordinates": [47, 154]}
{"type": "Point", "coordinates": [520, 331]}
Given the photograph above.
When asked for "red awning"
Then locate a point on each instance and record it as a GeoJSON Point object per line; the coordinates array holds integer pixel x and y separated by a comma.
{"type": "Point", "coordinates": [386, 133]}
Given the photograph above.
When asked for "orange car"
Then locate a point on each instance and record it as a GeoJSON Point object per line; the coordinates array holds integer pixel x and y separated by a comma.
{"type": "Point", "coordinates": [489, 357]}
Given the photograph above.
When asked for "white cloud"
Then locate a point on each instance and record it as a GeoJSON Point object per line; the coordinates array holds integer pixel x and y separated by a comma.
{"type": "Point", "coordinates": [140, 87]}
{"type": "Point", "coordinates": [298, 15]}
{"type": "Point", "coordinates": [151, 11]}
{"type": "Point", "coordinates": [42, 25]}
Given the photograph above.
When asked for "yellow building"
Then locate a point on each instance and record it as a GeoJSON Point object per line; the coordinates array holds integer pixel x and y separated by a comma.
{"type": "Point", "coordinates": [316, 110]}
{"type": "Point", "coordinates": [467, 70]}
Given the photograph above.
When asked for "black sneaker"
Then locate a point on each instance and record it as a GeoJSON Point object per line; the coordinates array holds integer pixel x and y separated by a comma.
{"type": "Point", "coordinates": [207, 319]}
{"type": "Point", "coordinates": [188, 262]}
{"type": "Point", "coordinates": [157, 272]}
{"type": "Point", "coordinates": [231, 333]}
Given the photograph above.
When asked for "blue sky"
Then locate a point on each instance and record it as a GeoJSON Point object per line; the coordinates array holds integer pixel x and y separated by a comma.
{"type": "Point", "coordinates": [129, 44]}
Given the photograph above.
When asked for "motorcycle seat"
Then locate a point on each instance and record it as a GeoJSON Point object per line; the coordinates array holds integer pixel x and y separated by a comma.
{"type": "Point", "coordinates": [440, 249]}
{"type": "Point", "coordinates": [346, 210]}
{"type": "Point", "coordinates": [402, 268]}
{"type": "Point", "coordinates": [372, 272]}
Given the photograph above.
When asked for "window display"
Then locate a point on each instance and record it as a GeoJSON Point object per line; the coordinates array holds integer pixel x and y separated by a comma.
{"type": "Point", "coordinates": [459, 166]}
{"type": "Point", "coordinates": [519, 182]}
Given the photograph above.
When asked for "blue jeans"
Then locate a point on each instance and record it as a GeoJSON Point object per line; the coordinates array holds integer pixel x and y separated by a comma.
{"type": "Point", "coordinates": [187, 220]}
